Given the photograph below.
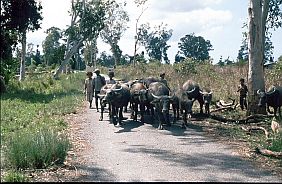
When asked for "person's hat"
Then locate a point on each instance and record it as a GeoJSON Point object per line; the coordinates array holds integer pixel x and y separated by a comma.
{"type": "Point", "coordinates": [111, 73]}
{"type": "Point", "coordinates": [96, 70]}
{"type": "Point", "coordinates": [242, 80]}
{"type": "Point", "coordinates": [162, 74]}
{"type": "Point", "coordinates": [89, 73]}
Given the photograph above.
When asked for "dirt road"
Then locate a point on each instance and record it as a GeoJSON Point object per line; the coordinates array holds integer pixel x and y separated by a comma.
{"type": "Point", "coordinates": [139, 152]}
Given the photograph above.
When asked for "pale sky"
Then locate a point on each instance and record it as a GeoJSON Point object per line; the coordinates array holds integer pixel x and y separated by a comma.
{"type": "Point", "coordinates": [219, 21]}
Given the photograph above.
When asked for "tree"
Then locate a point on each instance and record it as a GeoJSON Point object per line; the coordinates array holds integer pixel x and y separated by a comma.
{"type": "Point", "coordinates": [139, 3]}
{"type": "Point", "coordinates": [115, 25]}
{"type": "Point", "coordinates": [22, 16]}
{"type": "Point", "coordinates": [195, 47]}
{"type": "Point", "coordinates": [243, 54]}
{"type": "Point", "coordinates": [258, 16]}
{"type": "Point", "coordinates": [155, 41]}
{"type": "Point", "coordinates": [52, 48]}
{"type": "Point", "coordinates": [86, 23]}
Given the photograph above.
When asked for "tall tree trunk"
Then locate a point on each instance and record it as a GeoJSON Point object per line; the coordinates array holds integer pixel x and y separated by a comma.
{"type": "Point", "coordinates": [94, 61]}
{"type": "Point", "coordinates": [116, 52]}
{"type": "Point", "coordinates": [67, 57]}
{"type": "Point", "coordinates": [23, 53]}
{"type": "Point", "coordinates": [255, 44]}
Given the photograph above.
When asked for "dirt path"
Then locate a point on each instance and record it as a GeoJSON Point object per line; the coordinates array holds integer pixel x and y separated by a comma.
{"type": "Point", "coordinates": [140, 152]}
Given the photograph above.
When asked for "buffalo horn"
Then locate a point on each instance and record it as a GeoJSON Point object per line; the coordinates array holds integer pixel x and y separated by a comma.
{"type": "Point", "coordinates": [117, 89]}
{"type": "Point", "coordinates": [258, 91]}
{"type": "Point", "coordinates": [157, 97]}
{"type": "Point", "coordinates": [188, 92]}
{"type": "Point", "coordinates": [270, 93]}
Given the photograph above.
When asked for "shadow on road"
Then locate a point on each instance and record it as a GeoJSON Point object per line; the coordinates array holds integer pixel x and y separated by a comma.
{"type": "Point", "coordinates": [219, 162]}
{"type": "Point", "coordinates": [94, 174]}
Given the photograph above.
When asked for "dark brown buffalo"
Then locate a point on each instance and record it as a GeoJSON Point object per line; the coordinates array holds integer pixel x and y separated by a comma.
{"type": "Point", "coordinates": [194, 92]}
{"type": "Point", "coordinates": [139, 96]}
{"type": "Point", "coordinates": [184, 104]}
{"type": "Point", "coordinates": [118, 96]}
{"type": "Point", "coordinates": [207, 97]}
{"type": "Point", "coordinates": [103, 103]}
{"type": "Point", "coordinates": [147, 81]}
{"type": "Point", "coordinates": [158, 95]}
{"type": "Point", "coordinates": [271, 98]}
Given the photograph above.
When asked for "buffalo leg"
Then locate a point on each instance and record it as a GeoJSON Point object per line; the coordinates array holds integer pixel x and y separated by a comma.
{"type": "Point", "coordinates": [184, 119]}
{"type": "Point", "coordinates": [113, 115]}
{"type": "Point", "coordinates": [102, 111]}
{"type": "Point", "coordinates": [120, 116]}
{"type": "Point", "coordinates": [142, 110]}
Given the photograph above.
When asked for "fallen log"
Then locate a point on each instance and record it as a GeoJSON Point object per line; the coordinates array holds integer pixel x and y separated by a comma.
{"type": "Point", "coordinates": [249, 129]}
{"type": "Point", "coordinates": [223, 108]}
{"type": "Point", "coordinates": [250, 119]}
{"type": "Point", "coordinates": [270, 153]}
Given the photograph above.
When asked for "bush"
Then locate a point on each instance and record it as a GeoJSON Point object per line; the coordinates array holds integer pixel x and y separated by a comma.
{"type": "Point", "coordinates": [186, 67]}
{"type": "Point", "coordinates": [36, 149]}
{"type": "Point", "coordinates": [276, 143]}
{"type": "Point", "coordinates": [15, 176]}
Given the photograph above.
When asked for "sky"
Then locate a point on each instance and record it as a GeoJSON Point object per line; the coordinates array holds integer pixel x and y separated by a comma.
{"type": "Point", "coordinates": [219, 21]}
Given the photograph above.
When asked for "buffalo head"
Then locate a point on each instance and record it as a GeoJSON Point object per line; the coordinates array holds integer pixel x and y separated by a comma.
{"type": "Point", "coordinates": [264, 95]}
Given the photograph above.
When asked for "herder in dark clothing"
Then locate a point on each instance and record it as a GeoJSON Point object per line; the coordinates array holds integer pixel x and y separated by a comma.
{"type": "Point", "coordinates": [163, 80]}
{"type": "Point", "coordinates": [243, 90]}
{"type": "Point", "coordinates": [98, 82]}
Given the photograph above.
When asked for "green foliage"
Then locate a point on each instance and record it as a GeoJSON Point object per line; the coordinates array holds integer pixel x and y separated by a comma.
{"type": "Point", "coordinates": [276, 144]}
{"type": "Point", "coordinates": [186, 67]}
{"type": "Point", "coordinates": [52, 49]}
{"type": "Point", "coordinates": [8, 68]}
{"type": "Point", "coordinates": [33, 109]}
{"type": "Point", "coordinates": [15, 176]}
{"type": "Point", "coordinates": [115, 25]}
{"type": "Point", "coordinates": [195, 47]}
{"type": "Point", "coordinates": [274, 74]}
{"type": "Point", "coordinates": [36, 148]}
{"type": "Point", "coordinates": [155, 41]}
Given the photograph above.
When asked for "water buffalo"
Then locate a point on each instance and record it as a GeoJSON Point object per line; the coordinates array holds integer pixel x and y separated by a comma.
{"type": "Point", "coordinates": [106, 88]}
{"type": "Point", "coordinates": [147, 81]}
{"type": "Point", "coordinates": [139, 96]}
{"type": "Point", "coordinates": [183, 103]}
{"type": "Point", "coordinates": [194, 92]}
{"type": "Point", "coordinates": [118, 96]}
{"type": "Point", "coordinates": [158, 95]}
{"type": "Point", "coordinates": [271, 98]}
{"type": "Point", "coordinates": [207, 97]}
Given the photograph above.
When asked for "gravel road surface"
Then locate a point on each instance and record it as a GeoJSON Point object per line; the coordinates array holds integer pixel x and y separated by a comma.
{"type": "Point", "coordinates": [136, 152]}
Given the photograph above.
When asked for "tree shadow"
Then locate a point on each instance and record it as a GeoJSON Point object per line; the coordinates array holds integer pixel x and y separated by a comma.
{"type": "Point", "coordinates": [35, 97]}
{"type": "Point", "coordinates": [205, 162]}
{"type": "Point", "coordinates": [94, 174]}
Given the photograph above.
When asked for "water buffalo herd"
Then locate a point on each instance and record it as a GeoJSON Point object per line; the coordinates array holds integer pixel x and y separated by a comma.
{"type": "Point", "coordinates": [151, 96]}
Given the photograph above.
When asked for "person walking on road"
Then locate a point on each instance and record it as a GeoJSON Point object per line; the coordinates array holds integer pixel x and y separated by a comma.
{"type": "Point", "coordinates": [88, 88]}
{"type": "Point", "coordinates": [98, 82]}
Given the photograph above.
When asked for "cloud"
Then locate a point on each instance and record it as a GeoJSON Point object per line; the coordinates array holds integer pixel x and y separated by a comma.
{"type": "Point", "coordinates": [182, 5]}
{"type": "Point", "coordinates": [196, 21]}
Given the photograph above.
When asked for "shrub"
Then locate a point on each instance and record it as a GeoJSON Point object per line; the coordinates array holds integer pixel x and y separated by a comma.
{"type": "Point", "coordinates": [276, 143]}
{"type": "Point", "coordinates": [36, 149]}
{"type": "Point", "coordinates": [15, 176]}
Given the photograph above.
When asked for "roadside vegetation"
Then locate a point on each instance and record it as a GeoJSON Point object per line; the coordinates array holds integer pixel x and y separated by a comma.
{"type": "Point", "coordinates": [33, 132]}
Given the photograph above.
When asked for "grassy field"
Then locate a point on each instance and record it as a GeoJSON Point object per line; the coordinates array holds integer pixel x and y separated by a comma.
{"type": "Point", "coordinates": [32, 126]}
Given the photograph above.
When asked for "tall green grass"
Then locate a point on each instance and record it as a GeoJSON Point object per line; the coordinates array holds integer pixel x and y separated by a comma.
{"type": "Point", "coordinates": [32, 124]}
{"type": "Point", "coordinates": [37, 148]}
